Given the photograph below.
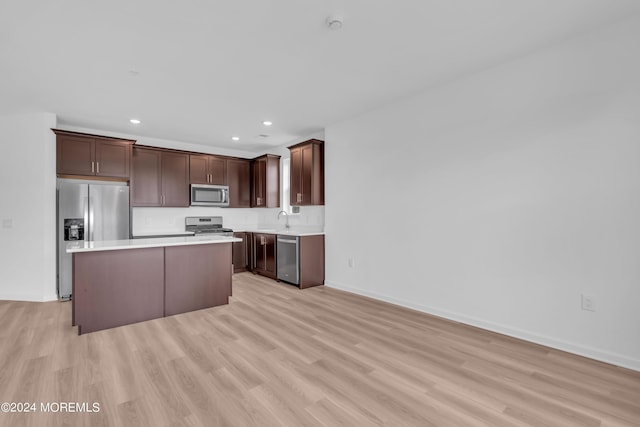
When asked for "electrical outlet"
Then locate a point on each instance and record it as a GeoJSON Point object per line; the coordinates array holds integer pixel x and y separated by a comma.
{"type": "Point", "coordinates": [350, 262]}
{"type": "Point", "coordinates": [587, 303]}
{"type": "Point", "coordinates": [7, 223]}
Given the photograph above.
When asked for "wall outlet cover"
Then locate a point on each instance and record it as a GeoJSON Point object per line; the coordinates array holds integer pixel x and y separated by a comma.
{"type": "Point", "coordinates": [587, 303]}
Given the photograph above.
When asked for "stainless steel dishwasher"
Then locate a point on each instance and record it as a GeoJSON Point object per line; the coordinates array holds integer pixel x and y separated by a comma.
{"type": "Point", "coordinates": [288, 264]}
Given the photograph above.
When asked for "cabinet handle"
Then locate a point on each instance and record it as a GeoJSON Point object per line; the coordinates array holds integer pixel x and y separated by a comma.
{"type": "Point", "coordinates": [299, 197]}
{"type": "Point", "coordinates": [92, 167]}
{"type": "Point", "coordinates": [209, 178]}
{"type": "Point", "coordinates": [97, 167]}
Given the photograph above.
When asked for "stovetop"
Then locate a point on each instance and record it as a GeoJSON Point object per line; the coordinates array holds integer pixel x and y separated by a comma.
{"type": "Point", "coordinates": [206, 225]}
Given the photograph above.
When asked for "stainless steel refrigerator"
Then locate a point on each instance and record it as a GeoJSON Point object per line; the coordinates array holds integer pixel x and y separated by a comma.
{"type": "Point", "coordinates": [90, 211]}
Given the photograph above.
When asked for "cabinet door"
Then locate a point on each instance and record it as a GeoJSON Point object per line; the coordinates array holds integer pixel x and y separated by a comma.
{"type": "Point", "coordinates": [272, 182]}
{"type": "Point", "coordinates": [175, 179]}
{"type": "Point", "coordinates": [307, 169]}
{"type": "Point", "coordinates": [239, 181]}
{"type": "Point", "coordinates": [259, 182]}
{"type": "Point", "coordinates": [296, 177]}
{"type": "Point", "coordinates": [270, 255]}
{"type": "Point", "coordinates": [198, 169]}
{"type": "Point", "coordinates": [259, 264]}
{"type": "Point", "coordinates": [112, 159]}
{"type": "Point", "coordinates": [241, 252]}
{"type": "Point", "coordinates": [75, 155]}
{"type": "Point", "coordinates": [217, 170]}
{"type": "Point", "coordinates": [145, 177]}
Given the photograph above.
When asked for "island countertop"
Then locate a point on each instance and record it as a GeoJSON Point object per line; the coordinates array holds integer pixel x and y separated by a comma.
{"type": "Point", "coordinates": [114, 245]}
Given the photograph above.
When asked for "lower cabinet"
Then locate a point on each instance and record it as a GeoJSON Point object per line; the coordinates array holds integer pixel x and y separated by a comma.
{"type": "Point", "coordinates": [242, 252]}
{"type": "Point", "coordinates": [119, 287]}
{"type": "Point", "coordinates": [264, 255]}
{"type": "Point", "coordinates": [311, 262]}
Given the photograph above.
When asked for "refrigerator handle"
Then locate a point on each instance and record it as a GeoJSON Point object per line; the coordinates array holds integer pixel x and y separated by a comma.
{"type": "Point", "coordinates": [90, 218]}
{"type": "Point", "coordinates": [87, 223]}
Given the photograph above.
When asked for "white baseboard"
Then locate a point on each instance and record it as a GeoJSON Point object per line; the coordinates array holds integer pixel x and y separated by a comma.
{"type": "Point", "coordinates": [592, 353]}
{"type": "Point", "coordinates": [28, 296]}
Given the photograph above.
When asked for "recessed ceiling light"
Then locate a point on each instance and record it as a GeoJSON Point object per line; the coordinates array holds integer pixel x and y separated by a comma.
{"type": "Point", "coordinates": [334, 22]}
{"type": "Point", "coordinates": [235, 138]}
{"type": "Point", "coordinates": [267, 123]}
{"type": "Point", "coordinates": [135, 121]}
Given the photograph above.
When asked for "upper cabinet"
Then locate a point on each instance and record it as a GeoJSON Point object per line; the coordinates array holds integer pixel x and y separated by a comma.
{"type": "Point", "coordinates": [92, 155]}
{"type": "Point", "coordinates": [307, 173]}
{"type": "Point", "coordinates": [265, 181]}
{"type": "Point", "coordinates": [159, 178]}
{"type": "Point", "coordinates": [205, 169]}
{"type": "Point", "coordinates": [239, 182]}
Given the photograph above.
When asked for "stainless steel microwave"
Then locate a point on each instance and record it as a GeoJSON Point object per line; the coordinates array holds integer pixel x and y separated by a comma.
{"type": "Point", "coordinates": [209, 195]}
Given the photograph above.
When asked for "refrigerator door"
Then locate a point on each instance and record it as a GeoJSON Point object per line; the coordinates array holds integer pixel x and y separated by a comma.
{"type": "Point", "coordinates": [73, 216]}
{"type": "Point", "coordinates": [108, 212]}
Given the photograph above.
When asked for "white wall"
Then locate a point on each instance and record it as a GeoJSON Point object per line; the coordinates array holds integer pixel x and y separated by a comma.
{"type": "Point", "coordinates": [27, 207]}
{"type": "Point", "coordinates": [515, 191]}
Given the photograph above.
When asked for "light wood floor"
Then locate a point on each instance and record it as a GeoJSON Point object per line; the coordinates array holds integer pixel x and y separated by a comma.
{"type": "Point", "coordinates": [280, 356]}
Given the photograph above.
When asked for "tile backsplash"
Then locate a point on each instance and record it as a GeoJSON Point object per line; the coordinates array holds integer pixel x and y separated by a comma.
{"type": "Point", "coordinates": [167, 220]}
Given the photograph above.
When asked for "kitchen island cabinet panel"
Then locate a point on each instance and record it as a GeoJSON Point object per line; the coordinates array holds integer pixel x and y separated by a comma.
{"type": "Point", "coordinates": [197, 277]}
{"type": "Point", "coordinates": [115, 288]}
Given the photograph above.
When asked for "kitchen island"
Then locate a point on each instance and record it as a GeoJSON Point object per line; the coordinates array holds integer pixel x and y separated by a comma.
{"type": "Point", "coordinates": [120, 282]}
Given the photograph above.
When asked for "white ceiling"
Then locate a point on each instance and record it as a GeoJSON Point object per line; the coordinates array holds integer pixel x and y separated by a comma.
{"type": "Point", "coordinates": [212, 69]}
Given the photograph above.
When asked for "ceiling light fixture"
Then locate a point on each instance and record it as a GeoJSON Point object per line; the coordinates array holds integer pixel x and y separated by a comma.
{"type": "Point", "coordinates": [235, 138]}
{"type": "Point", "coordinates": [334, 22]}
{"type": "Point", "coordinates": [267, 123]}
{"type": "Point", "coordinates": [135, 121]}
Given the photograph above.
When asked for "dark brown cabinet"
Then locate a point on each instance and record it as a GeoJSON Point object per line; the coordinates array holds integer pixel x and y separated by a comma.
{"type": "Point", "coordinates": [205, 169]}
{"type": "Point", "coordinates": [242, 252]}
{"type": "Point", "coordinates": [92, 155]}
{"type": "Point", "coordinates": [159, 178]}
{"type": "Point", "coordinates": [239, 182]}
{"type": "Point", "coordinates": [265, 180]}
{"type": "Point", "coordinates": [264, 254]}
{"type": "Point", "coordinates": [311, 261]}
{"type": "Point", "coordinates": [307, 173]}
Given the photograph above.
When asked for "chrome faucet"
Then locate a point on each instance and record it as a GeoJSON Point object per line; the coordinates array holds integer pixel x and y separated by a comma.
{"type": "Point", "coordinates": [286, 217]}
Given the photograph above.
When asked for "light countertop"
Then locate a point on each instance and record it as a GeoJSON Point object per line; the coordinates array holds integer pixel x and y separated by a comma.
{"type": "Point", "coordinates": [290, 232]}
{"type": "Point", "coordinates": [114, 245]}
{"type": "Point", "coordinates": [163, 234]}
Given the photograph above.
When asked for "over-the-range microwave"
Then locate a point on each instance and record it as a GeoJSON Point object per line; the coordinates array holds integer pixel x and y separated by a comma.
{"type": "Point", "coordinates": [209, 195]}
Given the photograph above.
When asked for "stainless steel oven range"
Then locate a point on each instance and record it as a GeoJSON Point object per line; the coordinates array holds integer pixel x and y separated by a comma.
{"type": "Point", "coordinates": [206, 225]}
